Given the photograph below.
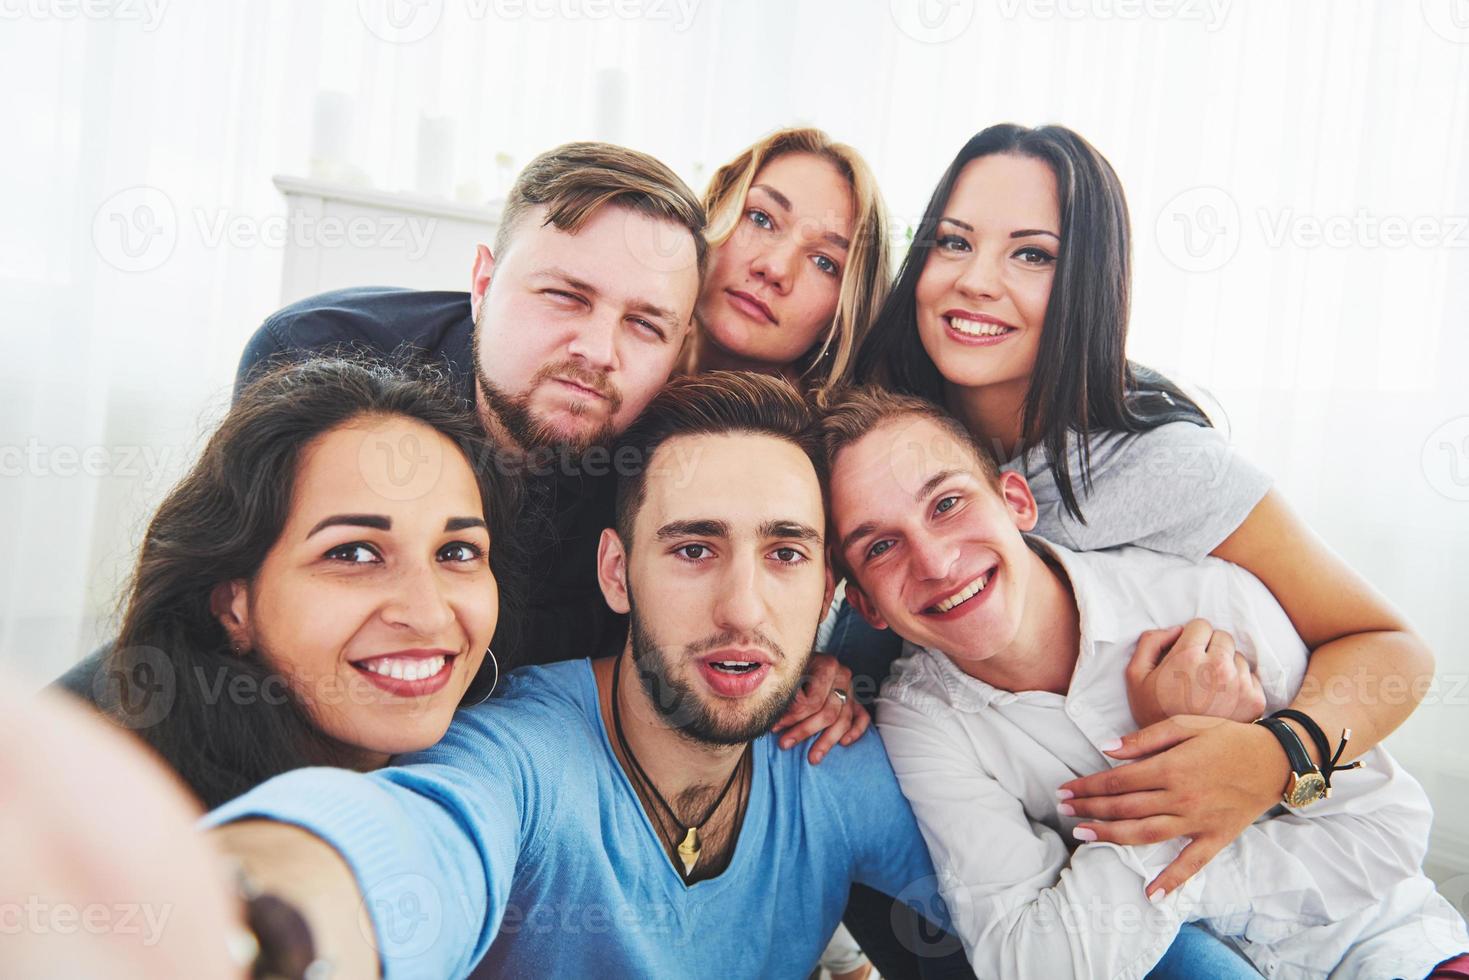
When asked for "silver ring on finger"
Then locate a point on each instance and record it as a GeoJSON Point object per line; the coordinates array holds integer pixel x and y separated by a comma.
{"type": "Point", "coordinates": [842, 696]}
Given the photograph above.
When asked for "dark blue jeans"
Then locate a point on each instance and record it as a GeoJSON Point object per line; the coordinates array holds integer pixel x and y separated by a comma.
{"type": "Point", "coordinates": [1199, 955]}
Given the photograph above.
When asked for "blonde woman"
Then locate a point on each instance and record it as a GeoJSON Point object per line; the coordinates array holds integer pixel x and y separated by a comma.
{"type": "Point", "coordinates": [799, 262]}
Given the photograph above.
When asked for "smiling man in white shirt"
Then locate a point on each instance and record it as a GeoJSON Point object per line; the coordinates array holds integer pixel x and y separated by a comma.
{"type": "Point", "coordinates": [1016, 685]}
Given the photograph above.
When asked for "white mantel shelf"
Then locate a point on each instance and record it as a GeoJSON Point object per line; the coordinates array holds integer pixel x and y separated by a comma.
{"type": "Point", "coordinates": [418, 241]}
{"type": "Point", "coordinates": [403, 201]}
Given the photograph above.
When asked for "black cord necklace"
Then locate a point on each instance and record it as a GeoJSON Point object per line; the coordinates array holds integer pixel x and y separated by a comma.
{"type": "Point", "coordinates": [688, 848]}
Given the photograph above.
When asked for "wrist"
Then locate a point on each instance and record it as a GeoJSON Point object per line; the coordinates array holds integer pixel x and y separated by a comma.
{"type": "Point", "coordinates": [1273, 765]}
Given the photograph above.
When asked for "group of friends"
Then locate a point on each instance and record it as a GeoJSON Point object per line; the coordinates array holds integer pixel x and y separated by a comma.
{"type": "Point", "coordinates": [537, 631]}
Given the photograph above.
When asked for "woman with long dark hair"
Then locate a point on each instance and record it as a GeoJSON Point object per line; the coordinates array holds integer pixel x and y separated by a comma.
{"type": "Point", "coordinates": [1011, 310]}
{"type": "Point", "coordinates": [322, 587]}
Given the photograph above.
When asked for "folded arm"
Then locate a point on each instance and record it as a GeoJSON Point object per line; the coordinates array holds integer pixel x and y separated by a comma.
{"type": "Point", "coordinates": [1367, 673]}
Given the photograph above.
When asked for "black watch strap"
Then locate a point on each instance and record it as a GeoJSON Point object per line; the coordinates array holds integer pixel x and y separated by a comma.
{"type": "Point", "coordinates": [1323, 747]}
{"type": "Point", "coordinates": [1295, 749]}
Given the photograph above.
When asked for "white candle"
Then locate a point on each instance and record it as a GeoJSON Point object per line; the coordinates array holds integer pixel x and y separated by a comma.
{"type": "Point", "coordinates": [332, 125]}
{"type": "Point", "coordinates": [611, 107]}
{"type": "Point", "coordinates": [435, 156]}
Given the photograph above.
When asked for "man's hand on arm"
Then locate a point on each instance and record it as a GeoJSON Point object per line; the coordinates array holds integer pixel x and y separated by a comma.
{"type": "Point", "coordinates": [1191, 670]}
{"type": "Point", "coordinates": [819, 708]}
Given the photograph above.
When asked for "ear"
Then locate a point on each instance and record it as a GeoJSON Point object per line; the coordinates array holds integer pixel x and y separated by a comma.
{"type": "Point", "coordinates": [230, 604]}
{"type": "Point", "coordinates": [858, 600]}
{"type": "Point", "coordinates": [479, 278]}
{"type": "Point", "coordinates": [612, 570]}
{"type": "Point", "coordinates": [1019, 500]}
{"type": "Point", "coordinates": [831, 588]}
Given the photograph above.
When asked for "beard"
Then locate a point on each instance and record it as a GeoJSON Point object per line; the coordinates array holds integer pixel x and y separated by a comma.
{"type": "Point", "coordinates": [678, 703]}
{"type": "Point", "coordinates": [529, 432]}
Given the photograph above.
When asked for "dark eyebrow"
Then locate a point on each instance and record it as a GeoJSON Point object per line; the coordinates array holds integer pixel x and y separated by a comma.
{"type": "Point", "coordinates": [837, 240]}
{"type": "Point", "coordinates": [567, 279]}
{"type": "Point", "coordinates": [929, 485]}
{"type": "Point", "coordinates": [375, 521]}
{"type": "Point", "coordinates": [669, 317]}
{"type": "Point", "coordinates": [463, 523]}
{"type": "Point", "coordinates": [932, 483]}
{"type": "Point", "coordinates": [857, 533]}
{"type": "Point", "coordinates": [780, 198]}
{"type": "Point", "coordinates": [789, 529]}
{"type": "Point", "coordinates": [698, 528]}
{"type": "Point", "coordinates": [1022, 233]}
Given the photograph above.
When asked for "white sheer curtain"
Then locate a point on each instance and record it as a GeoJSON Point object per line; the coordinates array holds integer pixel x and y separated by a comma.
{"type": "Point", "coordinates": [1296, 174]}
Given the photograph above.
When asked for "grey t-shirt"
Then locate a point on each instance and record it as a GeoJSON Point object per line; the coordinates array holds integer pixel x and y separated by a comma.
{"type": "Point", "coordinates": [1180, 488]}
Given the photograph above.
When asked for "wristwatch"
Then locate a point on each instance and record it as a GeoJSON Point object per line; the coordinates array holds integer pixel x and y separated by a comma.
{"type": "Point", "coordinates": [1306, 784]}
{"type": "Point", "coordinates": [276, 943]}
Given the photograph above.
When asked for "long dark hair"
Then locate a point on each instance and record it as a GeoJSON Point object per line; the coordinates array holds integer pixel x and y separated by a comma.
{"type": "Point", "coordinates": [227, 721]}
{"type": "Point", "coordinates": [1082, 381]}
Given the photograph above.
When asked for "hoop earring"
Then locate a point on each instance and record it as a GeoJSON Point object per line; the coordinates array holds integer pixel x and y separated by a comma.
{"type": "Point", "coordinates": [495, 666]}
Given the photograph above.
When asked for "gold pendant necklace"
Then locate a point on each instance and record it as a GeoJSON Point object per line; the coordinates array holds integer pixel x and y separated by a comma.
{"type": "Point", "coordinates": [688, 851]}
{"type": "Point", "coordinates": [688, 848]}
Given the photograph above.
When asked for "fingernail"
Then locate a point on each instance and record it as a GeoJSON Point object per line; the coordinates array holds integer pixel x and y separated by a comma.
{"type": "Point", "coordinates": [1111, 745]}
{"type": "Point", "coordinates": [1066, 809]}
{"type": "Point", "coordinates": [1064, 794]}
{"type": "Point", "coordinates": [818, 757]}
{"type": "Point", "coordinates": [786, 743]}
{"type": "Point", "coordinates": [1156, 895]}
{"type": "Point", "coordinates": [1084, 833]}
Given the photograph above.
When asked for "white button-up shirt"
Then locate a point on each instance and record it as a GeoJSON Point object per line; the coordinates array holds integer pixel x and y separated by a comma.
{"type": "Point", "coordinates": [1334, 889]}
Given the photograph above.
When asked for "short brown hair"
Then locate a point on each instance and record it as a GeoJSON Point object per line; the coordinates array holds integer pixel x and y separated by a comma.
{"type": "Point", "coordinates": [576, 179]}
{"type": "Point", "coordinates": [853, 412]}
{"type": "Point", "coordinates": [713, 403]}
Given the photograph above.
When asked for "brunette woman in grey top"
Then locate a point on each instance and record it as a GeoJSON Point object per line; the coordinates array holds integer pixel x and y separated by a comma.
{"type": "Point", "coordinates": [1011, 311]}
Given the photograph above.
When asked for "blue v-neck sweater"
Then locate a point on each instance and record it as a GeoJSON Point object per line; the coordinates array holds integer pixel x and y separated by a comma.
{"type": "Point", "coordinates": [517, 844]}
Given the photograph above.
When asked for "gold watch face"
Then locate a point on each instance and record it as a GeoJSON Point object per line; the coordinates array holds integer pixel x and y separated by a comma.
{"type": "Point", "coordinates": [1305, 789]}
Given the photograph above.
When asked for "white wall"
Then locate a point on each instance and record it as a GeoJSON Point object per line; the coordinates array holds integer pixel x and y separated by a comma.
{"type": "Point", "coordinates": [1245, 125]}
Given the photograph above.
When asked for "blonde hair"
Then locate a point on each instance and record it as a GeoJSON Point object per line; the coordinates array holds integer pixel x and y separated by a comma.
{"type": "Point", "coordinates": [867, 271]}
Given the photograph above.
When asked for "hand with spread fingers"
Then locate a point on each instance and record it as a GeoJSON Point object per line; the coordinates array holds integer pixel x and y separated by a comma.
{"type": "Point", "coordinates": [129, 891]}
{"type": "Point", "coordinates": [1187, 776]}
{"type": "Point", "coordinates": [1191, 670]}
{"type": "Point", "coordinates": [823, 704]}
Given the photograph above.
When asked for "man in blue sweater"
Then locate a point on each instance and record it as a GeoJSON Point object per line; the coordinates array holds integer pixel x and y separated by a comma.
{"type": "Point", "coordinates": [629, 816]}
